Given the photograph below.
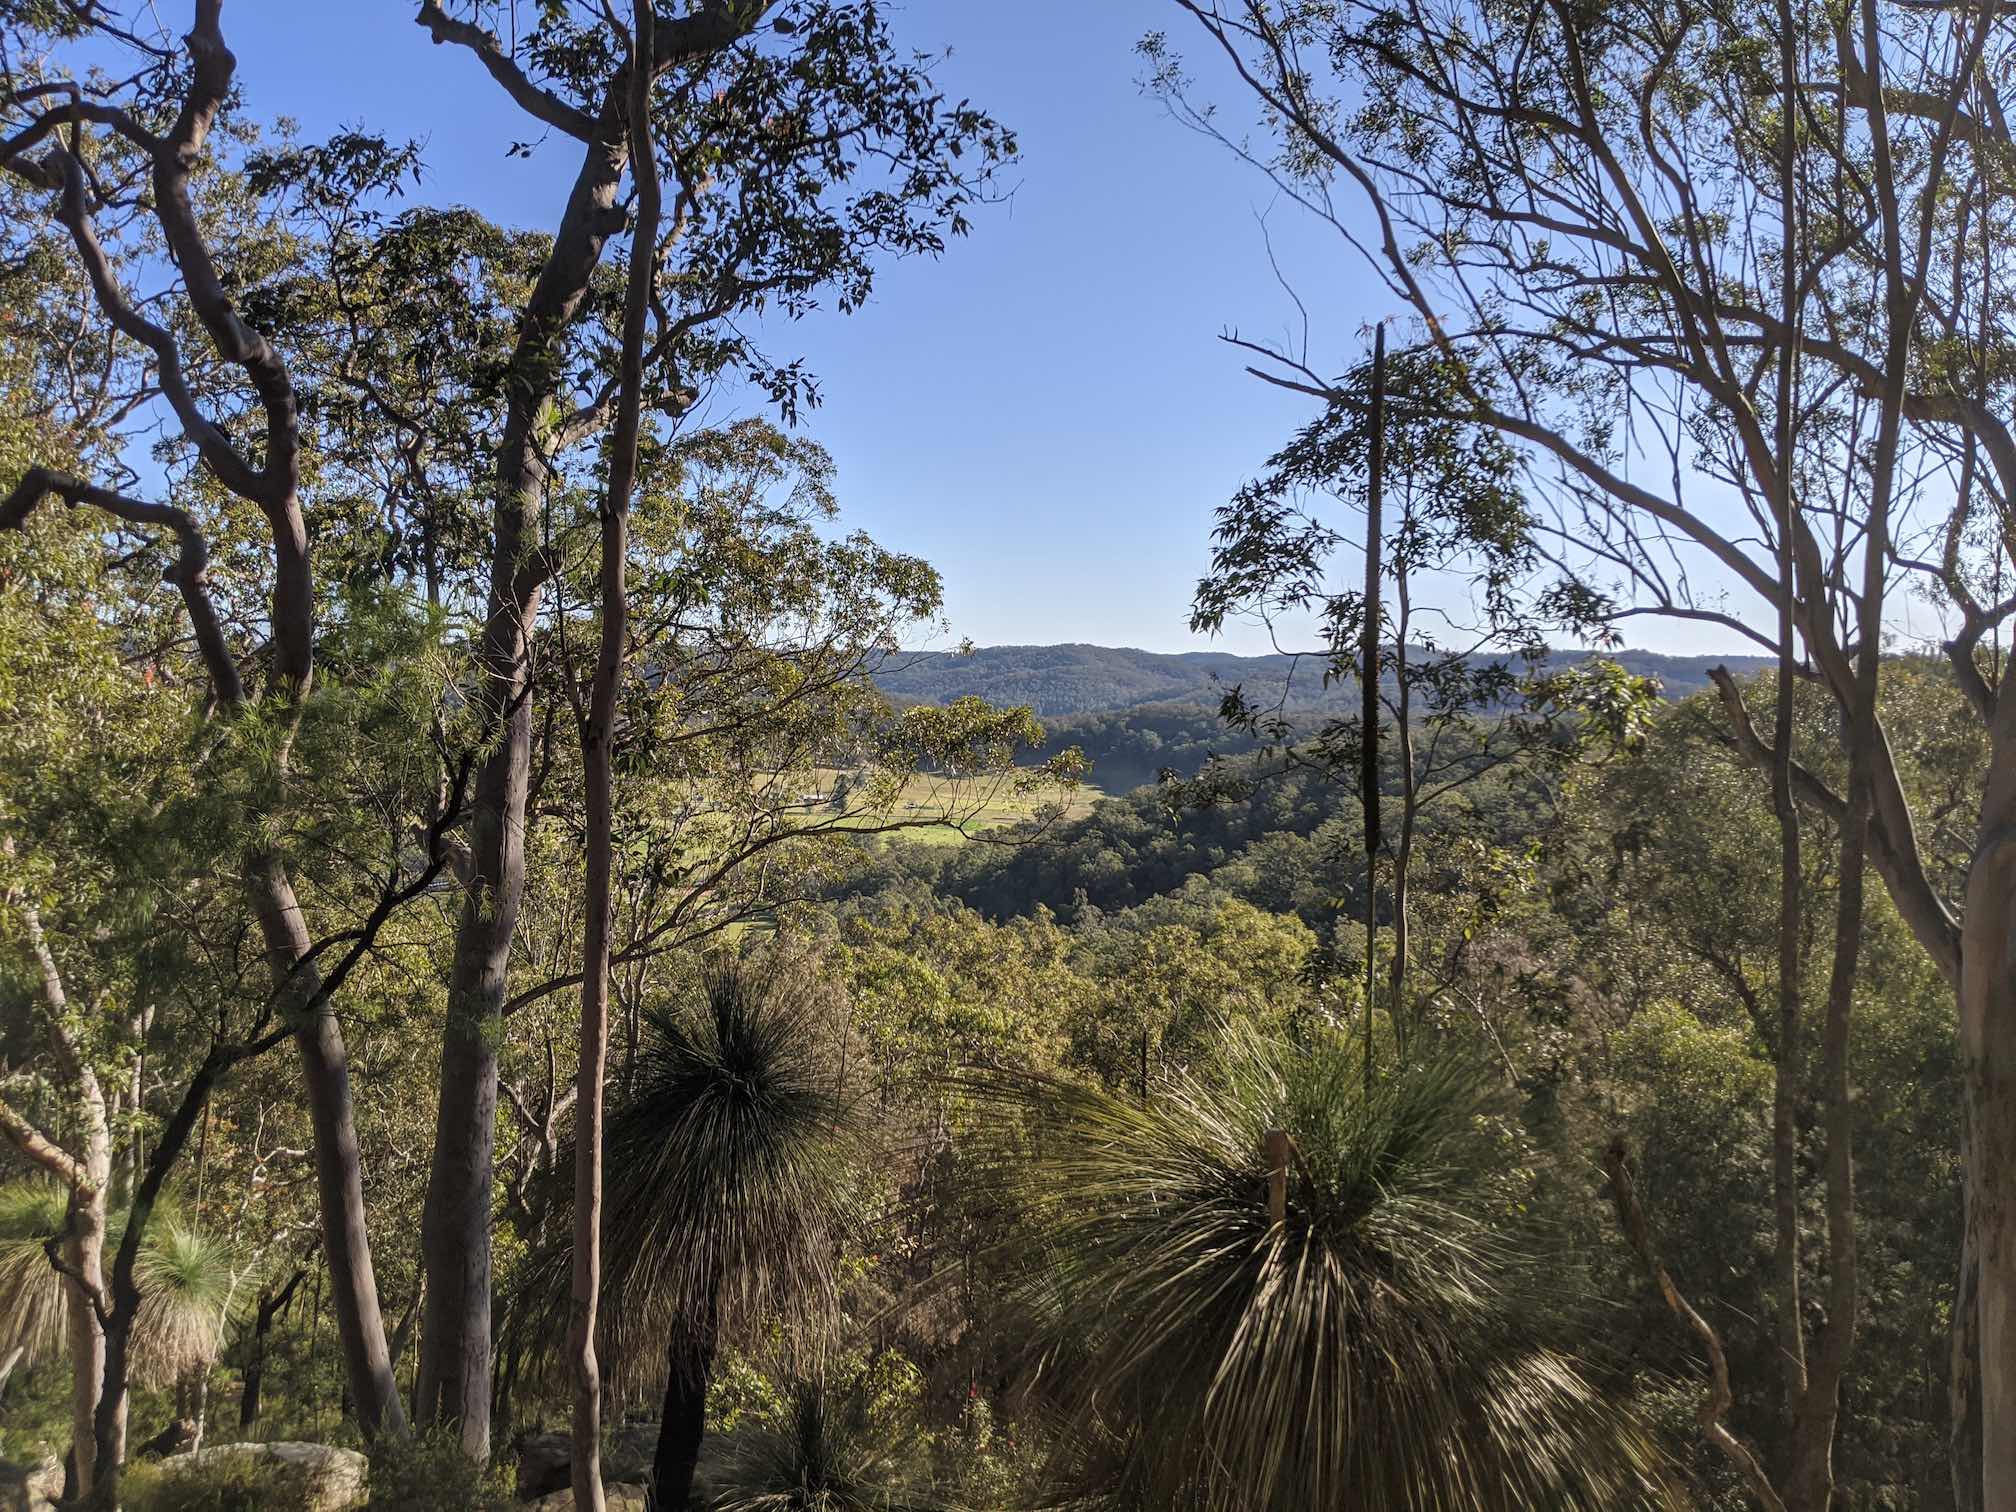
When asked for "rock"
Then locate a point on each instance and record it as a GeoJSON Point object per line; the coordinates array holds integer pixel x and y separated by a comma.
{"type": "Point", "coordinates": [632, 1450]}
{"type": "Point", "coordinates": [619, 1496]}
{"type": "Point", "coordinates": [339, 1478]}
{"type": "Point", "coordinates": [546, 1460]}
{"type": "Point", "coordinates": [31, 1488]}
{"type": "Point", "coordinates": [172, 1440]}
{"type": "Point", "coordinates": [545, 1465]}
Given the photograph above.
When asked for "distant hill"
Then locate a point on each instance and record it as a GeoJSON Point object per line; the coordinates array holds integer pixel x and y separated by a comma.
{"type": "Point", "coordinates": [1078, 679]}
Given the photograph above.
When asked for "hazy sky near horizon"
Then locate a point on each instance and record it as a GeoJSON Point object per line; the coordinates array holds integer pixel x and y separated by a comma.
{"type": "Point", "coordinates": [1047, 413]}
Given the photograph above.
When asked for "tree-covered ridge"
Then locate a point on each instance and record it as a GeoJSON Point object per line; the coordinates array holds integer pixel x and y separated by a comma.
{"type": "Point", "coordinates": [1082, 680]}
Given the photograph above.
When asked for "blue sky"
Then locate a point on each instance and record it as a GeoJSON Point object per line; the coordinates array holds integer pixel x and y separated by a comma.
{"type": "Point", "coordinates": [1046, 413]}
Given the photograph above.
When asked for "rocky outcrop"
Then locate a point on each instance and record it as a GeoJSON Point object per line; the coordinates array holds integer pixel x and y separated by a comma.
{"type": "Point", "coordinates": [545, 1465]}
{"type": "Point", "coordinates": [336, 1479]}
{"type": "Point", "coordinates": [31, 1488]}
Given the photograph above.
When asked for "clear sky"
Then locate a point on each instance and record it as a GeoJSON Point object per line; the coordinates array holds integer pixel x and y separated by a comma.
{"type": "Point", "coordinates": [1046, 413]}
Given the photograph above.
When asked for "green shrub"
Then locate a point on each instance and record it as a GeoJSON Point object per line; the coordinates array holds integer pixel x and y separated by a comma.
{"type": "Point", "coordinates": [430, 1473]}
{"type": "Point", "coordinates": [221, 1483]}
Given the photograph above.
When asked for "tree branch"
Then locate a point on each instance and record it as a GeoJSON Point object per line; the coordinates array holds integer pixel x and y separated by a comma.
{"type": "Point", "coordinates": [187, 572]}
{"type": "Point", "coordinates": [1638, 1233]}
{"type": "Point", "coordinates": [540, 104]}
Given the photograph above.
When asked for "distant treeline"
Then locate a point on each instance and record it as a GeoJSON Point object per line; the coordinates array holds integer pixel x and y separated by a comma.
{"type": "Point", "coordinates": [1077, 679]}
{"type": "Point", "coordinates": [1131, 747]}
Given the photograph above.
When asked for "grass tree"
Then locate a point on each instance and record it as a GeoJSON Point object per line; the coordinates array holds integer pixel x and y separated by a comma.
{"type": "Point", "coordinates": [191, 1281]}
{"type": "Point", "coordinates": [1378, 1344]}
{"type": "Point", "coordinates": [821, 1452]}
{"type": "Point", "coordinates": [729, 1187]}
{"type": "Point", "coordinates": [33, 1308]}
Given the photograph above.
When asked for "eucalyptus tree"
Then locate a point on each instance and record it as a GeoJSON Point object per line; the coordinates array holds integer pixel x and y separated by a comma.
{"type": "Point", "coordinates": [799, 143]}
{"type": "Point", "coordinates": [127, 171]}
{"type": "Point", "coordinates": [1728, 277]}
{"type": "Point", "coordinates": [1461, 678]}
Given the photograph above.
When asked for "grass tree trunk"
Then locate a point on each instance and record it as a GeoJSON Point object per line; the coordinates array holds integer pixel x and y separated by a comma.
{"type": "Point", "coordinates": [598, 739]}
{"type": "Point", "coordinates": [683, 1425]}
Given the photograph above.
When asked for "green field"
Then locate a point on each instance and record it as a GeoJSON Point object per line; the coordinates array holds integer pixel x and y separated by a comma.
{"type": "Point", "coordinates": [950, 810]}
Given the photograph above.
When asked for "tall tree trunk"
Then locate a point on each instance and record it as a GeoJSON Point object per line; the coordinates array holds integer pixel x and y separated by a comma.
{"type": "Point", "coordinates": [1988, 1055]}
{"type": "Point", "coordinates": [1963, 1387]}
{"type": "Point", "coordinates": [1791, 879]}
{"type": "Point", "coordinates": [1410, 797]}
{"type": "Point", "coordinates": [455, 1337]}
{"type": "Point", "coordinates": [339, 1165]}
{"type": "Point", "coordinates": [88, 1174]}
{"type": "Point", "coordinates": [598, 738]}
{"type": "Point", "coordinates": [84, 1251]}
{"type": "Point", "coordinates": [1368, 680]}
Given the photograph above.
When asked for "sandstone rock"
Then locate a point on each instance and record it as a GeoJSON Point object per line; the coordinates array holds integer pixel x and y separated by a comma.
{"type": "Point", "coordinates": [545, 1464]}
{"type": "Point", "coordinates": [31, 1488]}
{"type": "Point", "coordinates": [339, 1477]}
{"type": "Point", "coordinates": [620, 1498]}
{"type": "Point", "coordinates": [633, 1448]}
{"type": "Point", "coordinates": [546, 1460]}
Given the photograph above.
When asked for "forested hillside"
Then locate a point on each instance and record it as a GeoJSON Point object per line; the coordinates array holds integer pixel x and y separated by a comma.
{"type": "Point", "coordinates": [1068, 680]}
{"type": "Point", "coordinates": [515, 992]}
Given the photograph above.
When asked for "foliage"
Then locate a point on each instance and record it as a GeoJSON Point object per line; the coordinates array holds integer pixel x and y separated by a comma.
{"type": "Point", "coordinates": [430, 1470]}
{"type": "Point", "coordinates": [192, 1283]}
{"type": "Point", "coordinates": [822, 1449]}
{"type": "Point", "coordinates": [31, 1291]}
{"type": "Point", "coordinates": [729, 1195]}
{"type": "Point", "coordinates": [223, 1482]}
{"type": "Point", "coordinates": [1379, 1346]}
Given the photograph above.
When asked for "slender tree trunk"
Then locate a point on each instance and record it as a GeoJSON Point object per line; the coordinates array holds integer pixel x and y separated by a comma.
{"type": "Point", "coordinates": [1963, 1387]}
{"type": "Point", "coordinates": [1988, 1053]}
{"type": "Point", "coordinates": [85, 1253]}
{"type": "Point", "coordinates": [455, 1344]}
{"type": "Point", "coordinates": [339, 1165]}
{"type": "Point", "coordinates": [89, 1177]}
{"type": "Point", "coordinates": [199, 1406]}
{"type": "Point", "coordinates": [271, 1306]}
{"type": "Point", "coordinates": [1368, 735]}
{"type": "Point", "coordinates": [1403, 851]}
{"type": "Point", "coordinates": [1791, 880]}
{"type": "Point", "coordinates": [598, 739]}
{"type": "Point", "coordinates": [120, 1299]}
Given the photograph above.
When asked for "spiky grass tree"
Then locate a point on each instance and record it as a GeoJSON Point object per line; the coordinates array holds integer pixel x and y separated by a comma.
{"type": "Point", "coordinates": [1376, 1349]}
{"type": "Point", "coordinates": [190, 1282]}
{"type": "Point", "coordinates": [823, 1453]}
{"type": "Point", "coordinates": [730, 1182]}
{"type": "Point", "coordinates": [33, 1308]}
